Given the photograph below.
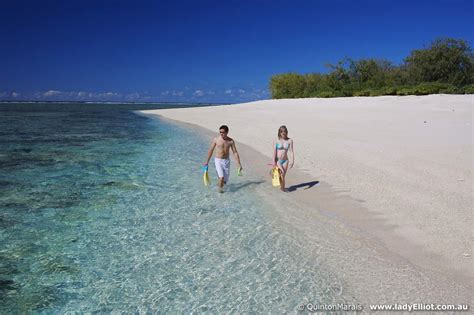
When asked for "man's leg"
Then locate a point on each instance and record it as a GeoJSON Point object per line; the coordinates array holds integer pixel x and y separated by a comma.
{"type": "Point", "coordinates": [226, 171]}
{"type": "Point", "coordinates": [220, 175]}
{"type": "Point", "coordinates": [220, 182]}
{"type": "Point", "coordinates": [220, 185]}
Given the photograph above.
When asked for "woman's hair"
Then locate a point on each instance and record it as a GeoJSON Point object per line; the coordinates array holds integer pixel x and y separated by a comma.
{"type": "Point", "coordinates": [282, 128]}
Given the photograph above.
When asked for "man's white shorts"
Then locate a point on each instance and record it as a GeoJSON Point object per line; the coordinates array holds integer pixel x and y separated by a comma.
{"type": "Point", "coordinates": [223, 168]}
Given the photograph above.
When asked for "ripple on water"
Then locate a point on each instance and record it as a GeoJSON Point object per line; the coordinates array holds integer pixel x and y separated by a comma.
{"type": "Point", "coordinates": [123, 222]}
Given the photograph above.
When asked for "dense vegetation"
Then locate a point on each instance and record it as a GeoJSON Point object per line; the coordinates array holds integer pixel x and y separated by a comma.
{"type": "Point", "coordinates": [446, 66]}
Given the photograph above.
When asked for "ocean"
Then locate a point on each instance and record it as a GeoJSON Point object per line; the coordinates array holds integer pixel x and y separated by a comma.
{"type": "Point", "coordinates": [104, 210]}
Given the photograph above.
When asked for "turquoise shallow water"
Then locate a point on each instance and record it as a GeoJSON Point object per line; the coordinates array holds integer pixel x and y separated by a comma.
{"type": "Point", "coordinates": [105, 211]}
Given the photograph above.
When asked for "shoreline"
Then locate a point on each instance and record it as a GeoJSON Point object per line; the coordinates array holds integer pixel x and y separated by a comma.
{"type": "Point", "coordinates": [341, 208]}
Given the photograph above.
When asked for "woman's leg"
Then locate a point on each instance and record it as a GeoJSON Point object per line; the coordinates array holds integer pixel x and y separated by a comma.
{"type": "Point", "coordinates": [283, 168]}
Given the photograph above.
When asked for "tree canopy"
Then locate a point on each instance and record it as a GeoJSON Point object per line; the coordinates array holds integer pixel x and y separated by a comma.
{"type": "Point", "coordinates": [446, 66]}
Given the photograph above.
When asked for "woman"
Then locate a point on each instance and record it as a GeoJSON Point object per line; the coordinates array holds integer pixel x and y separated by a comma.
{"type": "Point", "coordinates": [280, 154]}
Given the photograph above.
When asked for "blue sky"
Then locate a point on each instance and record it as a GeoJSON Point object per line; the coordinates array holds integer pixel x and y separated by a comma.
{"type": "Point", "coordinates": [202, 50]}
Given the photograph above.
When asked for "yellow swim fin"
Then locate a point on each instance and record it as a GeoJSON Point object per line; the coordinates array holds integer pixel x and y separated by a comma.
{"type": "Point", "coordinates": [276, 177]}
{"type": "Point", "coordinates": [205, 177]}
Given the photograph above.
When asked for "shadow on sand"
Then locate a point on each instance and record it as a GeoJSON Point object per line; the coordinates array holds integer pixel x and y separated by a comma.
{"type": "Point", "coordinates": [308, 184]}
{"type": "Point", "coordinates": [234, 187]}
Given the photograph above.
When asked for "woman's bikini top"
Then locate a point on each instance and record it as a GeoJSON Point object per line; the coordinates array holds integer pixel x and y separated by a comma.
{"type": "Point", "coordinates": [279, 146]}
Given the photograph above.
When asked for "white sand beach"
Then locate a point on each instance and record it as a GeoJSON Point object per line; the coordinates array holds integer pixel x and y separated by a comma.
{"type": "Point", "coordinates": [398, 168]}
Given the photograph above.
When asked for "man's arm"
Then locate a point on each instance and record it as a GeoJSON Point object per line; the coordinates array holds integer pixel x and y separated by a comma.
{"type": "Point", "coordinates": [211, 150]}
{"type": "Point", "coordinates": [236, 154]}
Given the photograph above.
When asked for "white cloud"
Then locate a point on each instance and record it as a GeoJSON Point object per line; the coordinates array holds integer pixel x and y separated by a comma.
{"type": "Point", "coordinates": [133, 96]}
{"type": "Point", "coordinates": [105, 95]}
{"type": "Point", "coordinates": [75, 95]}
{"type": "Point", "coordinates": [51, 93]}
{"type": "Point", "coordinates": [197, 93]}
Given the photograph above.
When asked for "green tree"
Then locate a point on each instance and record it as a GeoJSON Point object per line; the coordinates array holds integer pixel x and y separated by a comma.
{"type": "Point", "coordinates": [315, 83]}
{"type": "Point", "coordinates": [287, 85]}
{"type": "Point", "coordinates": [446, 66]}
{"type": "Point", "coordinates": [447, 60]}
{"type": "Point", "coordinates": [369, 73]}
{"type": "Point", "coordinates": [338, 79]}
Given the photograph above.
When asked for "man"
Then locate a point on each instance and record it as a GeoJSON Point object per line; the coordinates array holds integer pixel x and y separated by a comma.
{"type": "Point", "coordinates": [223, 144]}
